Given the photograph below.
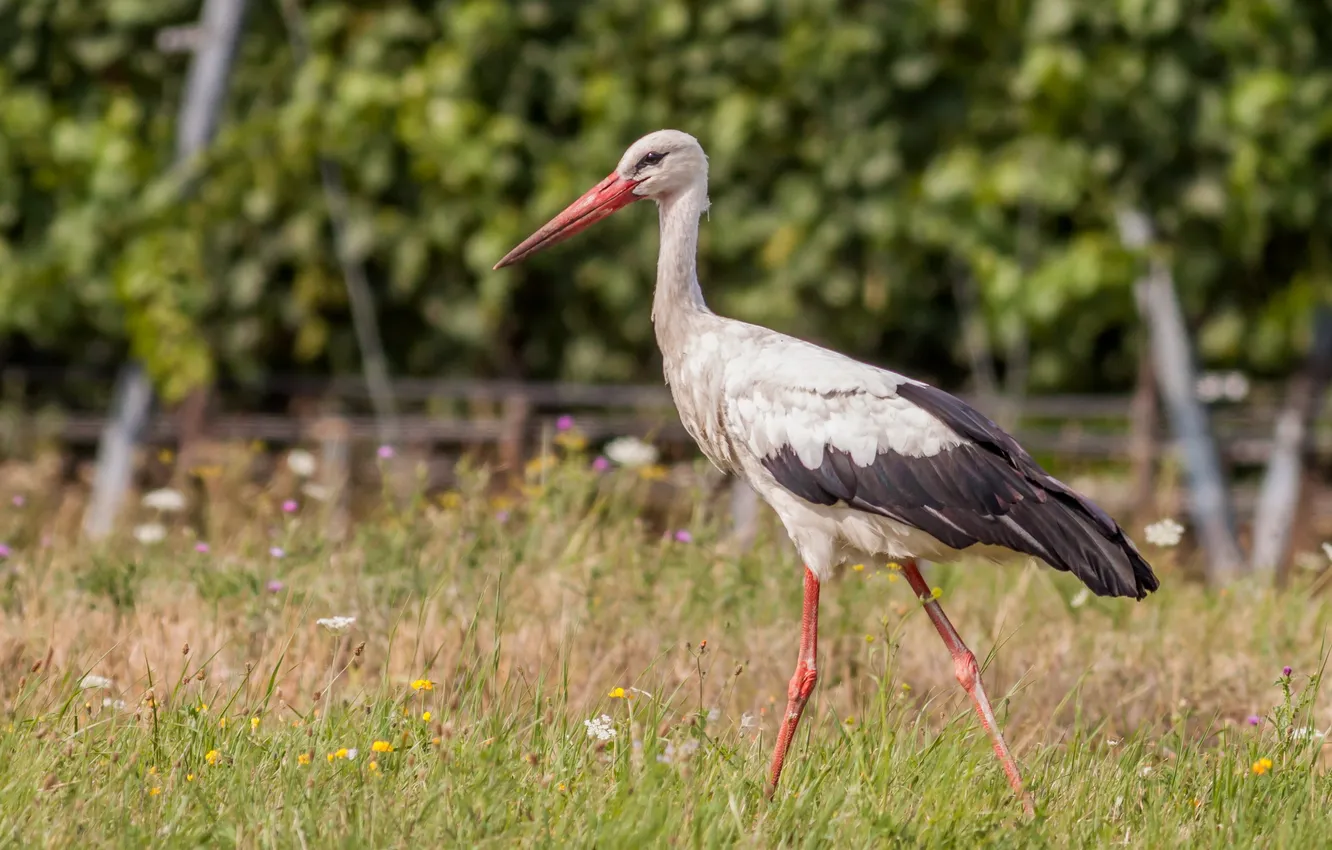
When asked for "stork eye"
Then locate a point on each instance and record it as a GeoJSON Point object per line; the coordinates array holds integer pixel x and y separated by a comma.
{"type": "Point", "coordinates": [649, 159]}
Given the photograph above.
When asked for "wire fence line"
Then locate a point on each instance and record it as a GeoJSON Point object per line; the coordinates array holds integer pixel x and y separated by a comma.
{"type": "Point", "coordinates": [448, 415]}
{"type": "Point", "coordinates": [506, 422]}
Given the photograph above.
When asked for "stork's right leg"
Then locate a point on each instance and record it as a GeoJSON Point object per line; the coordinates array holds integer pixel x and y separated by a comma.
{"type": "Point", "coordinates": [968, 675]}
{"type": "Point", "coordinates": [802, 683]}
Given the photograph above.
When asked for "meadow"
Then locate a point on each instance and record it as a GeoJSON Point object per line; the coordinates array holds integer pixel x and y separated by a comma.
{"type": "Point", "coordinates": [572, 660]}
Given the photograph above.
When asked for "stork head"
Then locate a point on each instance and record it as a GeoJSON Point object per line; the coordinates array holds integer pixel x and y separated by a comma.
{"type": "Point", "coordinates": [656, 166]}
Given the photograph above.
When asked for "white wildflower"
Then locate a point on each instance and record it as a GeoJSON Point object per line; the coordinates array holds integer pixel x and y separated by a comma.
{"type": "Point", "coordinates": [166, 500]}
{"type": "Point", "coordinates": [602, 728]}
{"type": "Point", "coordinates": [631, 451]}
{"type": "Point", "coordinates": [117, 704]}
{"type": "Point", "coordinates": [91, 681]}
{"type": "Point", "coordinates": [1165, 533]}
{"type": "Point", "coordinates": [352, 753]}
{"type": "Point", "coordinates": [714, 714]}
{"type": "Point", "coordinates": [1146, 771]}
{"type": "Point", "coordinates": [1080, 598]}
{"type": "Point", "coordinates": [150, 532]}
{"type": "Point", "coordinates": [673, 754]}
{"type": "Point", "coordinates": [336, 625]}
{"type": "Point", "coordinates": [1217, 386]}
{"type": "Point", "coordinates": [1307, 732]}
{"type": "Point", "coordinates": [1210, 388]}
{"type": "Point", "coordinates": [1236, 386]}
{"type": "Point", "coordinates": [748, 721]}
{"type": "Point", "coordinates": [301, 463]}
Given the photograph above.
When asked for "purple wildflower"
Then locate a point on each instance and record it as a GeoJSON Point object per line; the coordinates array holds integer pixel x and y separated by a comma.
{"type": "Point", "coordinates": [19, 500]}
{"type": "Point", "coordinates": [201, 548]}
{"type": "Point", "coordinates": [275, 586]}
{"type": "Point", "coordinates": [600, 464]}
{"type": "Point", "coordinates": [290, 506]}
{"type": "Point", "coordinates": [683, 536]}
{"type": "Point", "coordinates": [1254, 720]}
{"type": "Point", "coordinates": [1285, 671]}
{"type": "Point", "coordinates": [564, 423]}
{"type": "Point", "coordinates": [277, 552]}
{"type": "Point", "coordinates": [5, 551]}
{"type": "Point", "coordinates": [502, 516]}
{"type": "Point", "coordinates": [386, 452]}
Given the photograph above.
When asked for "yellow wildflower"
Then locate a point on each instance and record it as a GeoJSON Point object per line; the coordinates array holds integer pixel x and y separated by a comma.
{"type": "Point", "coordinates": [203, 706]}
{"type": "Point", "coordinates": [892, 576]}
{"type": "Point", "coordinates": [382, 747]}
{"type": "Point", "coordinates": [1261, 766]}
{"type": "Point", "coordinates": [154, 791]}
{"type": "Point", "coordinates": [212, 756]}
{"type": "Point", "coordinates": [538, 465]}
{"type": "Point", "coordinates": [435, 740]}
{"type": "Point", "coordinates": [850, 721]}
{"type": "Point", "coordinates": [303, 758]}
{"type": "Point", "coordinates": [330, 758]}
{"type": "Point", "coordinates": [152, 771]}
{"type": "Point", "coordinates": [425, 715]}
{"type": "Point", "coordinates": [189, 777]}
{"type": "Point", "coordinates": [254, 723]}
{"type": "Point", "coordinates": [451, 500]}
{"type": "Point", "coordinates": [561, 787]}
{"type": "Point", "coordinates": [860, 568]}
{"type": "Point", "coordinates": [905, 686]}
{"type": "Point", "coordinates": [869, 638]}
{"type": "Point", "coordinates": [616, 693]}
{"type": "Point", "coordinates": [894, 566]}
{"type": "Point", "coordinates": [423, 685]}
{"type": "Point", "coordinates": [374, 767]}
{"type": "Point", "coordinates": [936, 592]}
{"type": "Point", "coordinates": [652, 472]}
{"type": "Point", "coordinates": [571, 441]}
{"type": "Point", "coordinates": [341, 753]}
{"type": "Point", "coordinates": [222, 723]}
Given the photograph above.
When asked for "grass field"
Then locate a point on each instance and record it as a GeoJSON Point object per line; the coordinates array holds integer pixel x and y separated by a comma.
{"type": "Point", "coordinates": [180, 693]}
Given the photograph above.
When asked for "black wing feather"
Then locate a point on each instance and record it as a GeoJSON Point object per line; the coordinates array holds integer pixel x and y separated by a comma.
{"type": "Point", "coordinates": [987, 490]}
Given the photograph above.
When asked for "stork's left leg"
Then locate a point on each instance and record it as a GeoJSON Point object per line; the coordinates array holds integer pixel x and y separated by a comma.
{"type": "Point", "coordinates": [968, 674]}
{"type": "Point", "coordinates": [802, 683]}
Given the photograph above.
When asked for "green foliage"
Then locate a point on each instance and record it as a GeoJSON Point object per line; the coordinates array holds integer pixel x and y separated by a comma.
{"type": "Point", "coordinates": [861, 154]}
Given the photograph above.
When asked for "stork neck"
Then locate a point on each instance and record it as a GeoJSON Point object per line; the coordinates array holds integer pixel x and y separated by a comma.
{"type": "Point", "coordinates": [678, 294]}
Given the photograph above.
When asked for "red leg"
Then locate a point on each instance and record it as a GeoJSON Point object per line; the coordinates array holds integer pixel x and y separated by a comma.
{"type": "Point", "coordinates": [968, 674]}
{"type": "Point", "coordinates": [802, 683]}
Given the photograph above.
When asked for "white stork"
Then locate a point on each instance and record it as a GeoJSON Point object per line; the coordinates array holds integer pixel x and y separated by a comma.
{"type": "Point", "coordinates": [858, 462]}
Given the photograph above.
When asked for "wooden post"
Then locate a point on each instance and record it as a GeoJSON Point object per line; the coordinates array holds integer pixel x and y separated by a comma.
{"type": "Point", "coordinates": [1143, 423]}
{"type": "Point", "coordinates": [130, 407]}
{"type": "Point", "coordinates": [190, 428]}
{"type": "Point", "coordinates": [1209, 499]}
{"type": "Point", "coordinates": [1279, 499]}
{"type": "Point", "coordinates": [219, 30]}
{"type": "Point", "coordinates": [334, 436]}
{"type": "Point", "coordinates": [517, 411]}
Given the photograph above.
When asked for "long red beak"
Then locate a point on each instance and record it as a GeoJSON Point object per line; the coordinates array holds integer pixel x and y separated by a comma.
{"type": "Point", "coordinates": [601, 200]}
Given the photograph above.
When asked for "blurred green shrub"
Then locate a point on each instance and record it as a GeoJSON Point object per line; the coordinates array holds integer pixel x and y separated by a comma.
{"type": "Point", "coordinates": [862, 155]}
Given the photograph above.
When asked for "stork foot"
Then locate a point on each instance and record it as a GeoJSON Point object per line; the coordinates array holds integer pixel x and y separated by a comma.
{"type": "Point", "coordinates": [802, 683]}
{"type": "Point", "coordinates": [968, 676]}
